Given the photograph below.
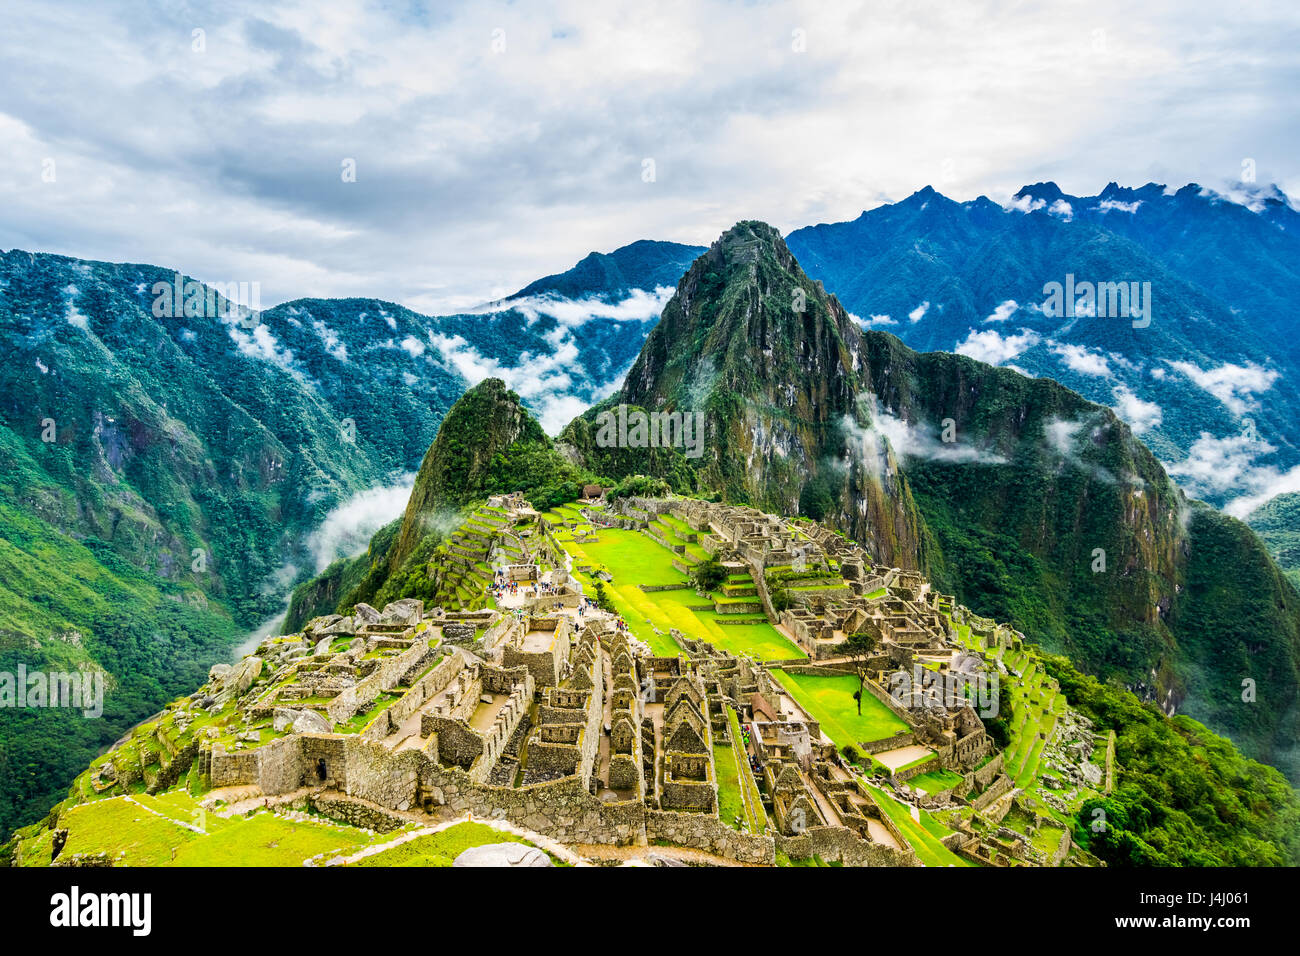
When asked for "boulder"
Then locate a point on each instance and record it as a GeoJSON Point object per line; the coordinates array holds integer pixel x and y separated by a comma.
{"type": "Point", "coordinates": [344, 625]}
{"type": "Point", "coordinates": [219, 671]}
{"type": "Point", "coordinates": [312, 722]}
{"type": "Point", "coordinates": [323, 647]}
{"type": "Point", "coordinates": [241, 676]}
{"type": "Point", "coordinates": [502, 854]}
{"type": "Point", "coordinates": [300, 721]}
{"type": "Point", "coordinates": [365, 614]}
{"type": "Point", "coordinates": [406, 611]}
{"type": "Point", "coordinates": [317, 625]}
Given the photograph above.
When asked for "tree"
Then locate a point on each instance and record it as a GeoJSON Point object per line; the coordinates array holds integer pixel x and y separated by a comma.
{"type": "Point", "coordinates": [860, 648]}
{"type": "Point", "coordinates": [708, 574]}
{"type": "Point", "coordinates": [602, 597]}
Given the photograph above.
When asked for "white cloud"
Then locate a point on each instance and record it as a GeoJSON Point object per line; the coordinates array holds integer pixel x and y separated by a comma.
{"type": "Point", "coordinates": [992, 347]}
{"type": "Point", "coordinates": [876, 321]}
{"type": "Point", "coordinates": [1004, 311]}
{"type": "Point", "coordinates": [1114, 205]}
{"type": "Point", "coordinates": [1234, 385]}
{"type": "Point", "coordinates": [1024, 204]}
{"type": "Point", "coordinates": [1141, 416]}
{"type": "Point", "coordinates": [637, 305]}
{"type": "Point", "coordinates": [412, 345]}
{"type": "Point", "coordinates": [917, 314]}
{"type": "Point", "coordinates": [544, 381]}
{"type": "Point", "coordinates": [476, 169]}
{"type": "Point", "coordinates": [1061, 209]}
{"type": "Point", "coordinates": [870, 445]}
{"type": "Point", "coordinates": [348, 527]}
{"type": "Point", "coordinates": [262, 344]}
{"type": "Point", "coordinates": [333, 345]}
{"type": "Point", "coordinates": [1080, 359]}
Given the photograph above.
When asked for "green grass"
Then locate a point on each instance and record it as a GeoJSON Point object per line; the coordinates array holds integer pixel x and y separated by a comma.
{"type": "Point", "coordinates": [923, 837]}
{"type": "Point", "coordinates": [442, 848]}
{"type": "Point", "coordinates": [936, 781]}
{"type": "Point", "coordinates": [731, 805]}
{"type": "Point", "coordinates": [830, 701]}
{"type": "Point", "coordinates": [133, 836]}
{"type": "Point", "coordinates": [634, 559]}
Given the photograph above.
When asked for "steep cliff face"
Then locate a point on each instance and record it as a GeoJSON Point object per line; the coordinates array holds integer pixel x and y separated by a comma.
{"type": "Point", "coordinates": [770, 360]}
{"type": "Point", "coordinates": [1029, 502]}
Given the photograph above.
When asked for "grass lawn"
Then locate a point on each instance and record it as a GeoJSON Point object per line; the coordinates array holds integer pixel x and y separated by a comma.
{"type": "Point", "coordinates": [150, 838]}
{"type": "Point", "coordinates": [635, 559]}
{"type": "Point", "coordinates": [731, 805]}
{"type": "Point", "coordinates": [923, 837]}
{"type": "Point", "coordinates": [936, 781]}
{"type": "Point", "coordinates": [440, 849]}
{"type": "Point", "coordinates": [830, 700]}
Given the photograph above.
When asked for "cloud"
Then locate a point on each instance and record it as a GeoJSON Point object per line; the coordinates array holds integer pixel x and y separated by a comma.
{"type": "Point", "coordinates": [1141, 416]}
{"type": "Point", "coordinates": [545, 381]}
{"type": "Point", "coordinates": [1078, 358]}
{"type": "Point", "coordinates": [330, 339]}
{"type": "Point", "coordinates": [876, 321]}
{"type": "Point", "coordinates": [1024, 203]}
{"type": "Point", "coordinates": [868, 445]}
{"type": "Point", "coordinates": [917, 314]}
{"type": "Point", "coordinates": [1004, 311]}
{"type": "Point", "coordinates": [1114, 205]}
{"type": "Point", "coordinates": [1233, 385]}
{"type": "Point", "coordinates": [477, 169]}
{"type": "Point", "coordinates": [1062, 210]}
{"type": "Point", "coordinates": [261, 343]}
{"type": "Point", "coordinates": [413, 346]}
{"type": "Point", "coordinates": [637, 306]}
{"type": "Point", "coordinates": [346, 530]}
{"type": "Point", "coordinates": [1063, 437]}
{"type": "Point", "coordinates": [992, 347]}
{"type": "Point", "coordinates": [1229, 469]}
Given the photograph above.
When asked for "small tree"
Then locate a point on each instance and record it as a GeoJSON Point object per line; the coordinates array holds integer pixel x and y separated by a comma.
{"type": "Point", "coordinates": [708, 574]}
{"type": "Point", "coordinates": [860, 648]}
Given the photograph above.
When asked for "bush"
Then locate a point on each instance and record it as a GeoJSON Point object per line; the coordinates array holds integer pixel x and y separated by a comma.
{"type": "Point", "coordinates": [708, 575]}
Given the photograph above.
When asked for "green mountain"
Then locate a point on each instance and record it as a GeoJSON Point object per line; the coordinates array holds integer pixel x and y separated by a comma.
{"type": "Point", "coordinates": [1027, 501]}
{"type": "Point", "coordinates": [160, 475]}
{"type": "Point", "coordinates": [487, 444]}
{"type": "Point", "coordinates": [1278, 525]}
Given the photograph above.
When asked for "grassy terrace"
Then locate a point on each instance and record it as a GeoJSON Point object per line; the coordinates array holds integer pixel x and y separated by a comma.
{"type": "Point", "coordinates": [635, 559]}
{"type": "Point", "coordinates": [830, 701]}
{"type": "Point", "coordinates": [440, 849]}
{"type": "Point", "coordinates": [923, 835]}
{"type": "Point", "coordinates": [143, 830]}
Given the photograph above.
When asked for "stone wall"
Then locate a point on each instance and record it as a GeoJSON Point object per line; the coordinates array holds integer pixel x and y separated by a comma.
{"type": "Point", "coordinates": [382, 678]}
{"type": "Point", "coordinates": [841, 845]}
{"type": "Point", "coordinates": [1001, 786]}
{"type": "Point", "coordinates": [707, 833]}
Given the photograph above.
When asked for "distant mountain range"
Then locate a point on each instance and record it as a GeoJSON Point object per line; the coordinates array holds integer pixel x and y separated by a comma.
{"type": "Point", "coordinates": [1209, 383]}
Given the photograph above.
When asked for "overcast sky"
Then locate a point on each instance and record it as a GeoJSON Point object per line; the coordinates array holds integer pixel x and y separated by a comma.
{"type": "Point", "coordinates": [495, 143]}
